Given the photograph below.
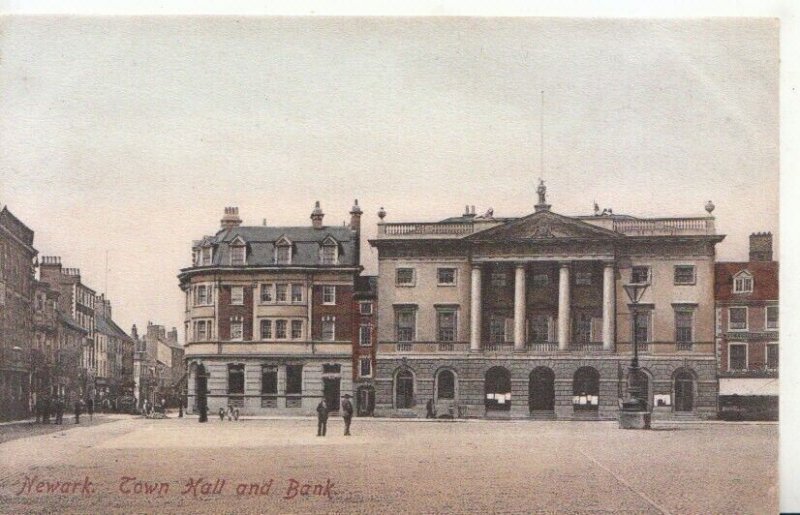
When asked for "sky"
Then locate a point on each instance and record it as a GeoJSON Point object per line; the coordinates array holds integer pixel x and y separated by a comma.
{"type": "Point", "coordinates": [127, 137]}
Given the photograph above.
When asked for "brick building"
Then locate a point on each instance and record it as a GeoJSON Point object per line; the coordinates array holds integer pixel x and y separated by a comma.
{"type": "Point", "coordinates": [365, 339]}
{"type": "Point", "coordinates": [748, 332]}
{"type": "Point", "coordinates": [77, 301]}
{"type": "Point", "coordinates": [269, 315]}
{"type": "Point", "coordinates": [17, 270]}
{"type": "Point", "coordinates": [527, 316]}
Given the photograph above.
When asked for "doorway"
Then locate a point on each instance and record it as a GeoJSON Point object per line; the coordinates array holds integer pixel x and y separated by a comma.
{"type": "Point", "coordinates": [497, 389]}
{"type": "Point", "coordinates": [331, 388]}
{"type": "Point", "coordinates": [404, 390]}
{"type": "Point", "coordinates": [541, 390]}
{"type": "Point", "coordinates": [365, 401]}
{"type": "Point", "coordinates": [684, 391]}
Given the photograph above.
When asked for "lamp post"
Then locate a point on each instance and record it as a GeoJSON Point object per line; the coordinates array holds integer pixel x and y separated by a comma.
{"type": "Point", "coordinates": [634, 414]}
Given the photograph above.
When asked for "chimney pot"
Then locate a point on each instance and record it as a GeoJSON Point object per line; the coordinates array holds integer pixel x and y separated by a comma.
{"type": "Point", "coordinates": [761, 246]}
{"type": "Point", "coordinates": [316, 216]}
{"type": "Point", "coordinates": [231, 218]}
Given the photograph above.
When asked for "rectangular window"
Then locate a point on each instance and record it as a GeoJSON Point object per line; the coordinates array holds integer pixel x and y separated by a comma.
{"type": "Point", "coordinates": [236, 329]}
{"type": "Point", "coordinates": [772, 317]}
{"type": "Point", "coordinates": [640, 274]}
{"type": "Point", "coordinates": [737, 319]}
{"type": "Point", "coordinates": [582, 330]}
{"type": "Point", "coordinates": [583, 278]}
{"type": "Point", "coordinates": [206, 256]}
{"type": "Point", "coordinates": [365, 370]}
{"type": "Point", "coordinates": [266, 329]}
{"type": "Point", "coordinates": [329, 255]}
{"type": "Point", "coordinates": [328, 329]}
{"type": "Point", "coordinates": [280, 329]}
{"type": "Point", "coordinates": [297, 293]}
{"type": "Point", "coordinates": [743, 284]}
{"type": "Point", "coordinates": [365, 335]}
{"type": "Point", "coordinates": [267, 293]}
{"type": "Point", "coordinates": [497, 329]}
{"type": "Point", "coordinates": [202, 330]}
{"type": "Point", "coordinates": [329, 294]}
{"type": "Point", "coordinates": [365, 308]}
{"type": "Point", "coordinates": [269, 380]}
{"type": "Point", "coordinates": [238, 255]}
{"type": "Point", "coordinates": [684, 274]}
{"type": "Point", "coordinates": [297, 329]}
{"type": "Point", "coordinates": [283, 255]}
{"type": "Point", "coordinates": [202, 295]}
{"type": "Point", "coordinates": [540, 328]}
{"type": "Point", "coordinates": [294, 379]}
{"type": "Point", "coordinates": [404, 277]}
{"type": "Point", "coordinates": [281, 292]}
{"type": "Point", "coordinates": [737, 356]}
{"type": "Point", "coordinates": [235, 379]}
{"type": "Point", "coordinates": [643, 318]}
{"type": "Point", "coordinates": [499, 278]}
{"type": "Point", "coordinates": [446, 276]}
{"type": "Point", "coordinates": [237, 295]}
{"type": "Point", "coordinates": [540, 280]}
{"type": "Point", "coordinates": [683, 326]}
{"type": "Point", "coordinates": [772, 356]}
{"type": "Point", "coordinates": [405, 324]}
{"type": "Point", "coordinates": [446, 325]}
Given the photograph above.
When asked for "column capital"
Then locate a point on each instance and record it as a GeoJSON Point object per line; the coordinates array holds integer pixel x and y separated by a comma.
{"type": "Point", "coordinates": [476, 266]}
{"type": "Point", "coordinates": [564, 264]}
{"type": "Point", "coordinates": [609, 264]}
{"type": "Point", "coordinates": [520, 264]}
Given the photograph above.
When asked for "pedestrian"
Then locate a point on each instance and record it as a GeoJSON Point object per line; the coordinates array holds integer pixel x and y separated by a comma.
{"type": "Point", "coordinates": [222, 414]}
{"type": "Point", "coordinates": [90, 408]}
{"type": "Point", "coordinates": [180, 409]}
{"type": "Point", "coordinates": [59, 410]}
{"type": "Point", "coordinates": [163, 405]}
{"type": "Point", "coordinates": [347, 413]}
{"type": "Point", "coordinates": [322, 418]}
{"type": "Point", "coordinates": [77, 411]}
{"type": "Point", "coordinates": [429, 409]}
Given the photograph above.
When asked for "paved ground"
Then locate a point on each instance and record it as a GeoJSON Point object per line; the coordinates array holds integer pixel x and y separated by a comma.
{"type": "Point", "coordinates": [392, 466]}
{"type": "Point", "coordinates": [13, 430]}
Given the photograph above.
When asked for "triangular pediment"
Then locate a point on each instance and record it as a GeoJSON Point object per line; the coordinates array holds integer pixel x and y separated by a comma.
{"type": "Point", "coordinates": [544, 225]}
{"type": "Point", "coordinates": [283, 241]}
{"type": "Point", "coordinates": [238, 241]}
{"type": "Point", "coordinates": [329, 240]}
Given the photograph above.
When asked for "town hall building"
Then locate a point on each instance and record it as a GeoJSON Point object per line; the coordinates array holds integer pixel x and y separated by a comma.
{"type": "Point", "coordinates": [528, 317]}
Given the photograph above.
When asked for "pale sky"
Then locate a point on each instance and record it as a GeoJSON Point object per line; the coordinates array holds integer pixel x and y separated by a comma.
{"type": "Point", "coordinates": [130, 135]}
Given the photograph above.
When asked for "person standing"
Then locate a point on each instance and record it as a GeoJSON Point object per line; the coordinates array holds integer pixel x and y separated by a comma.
{"type": "Point", "coordinates": [77, 411]}
{"type": "Point", "coordinates": [46, 409]}
{"type": "Point", "coordinates": [322, 418]}
{"type": "Point", "coordinates": [429, 413]}
{"type": "Point", "coordinates": [37, 408]}
{"type": "Point", "coordinates": [347, 413]}
{"type": "Point", "coordinates": [90, 408]}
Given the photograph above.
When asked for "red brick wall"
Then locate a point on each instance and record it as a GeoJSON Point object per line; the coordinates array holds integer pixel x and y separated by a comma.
{"type": "Point", "coordinates": [358, 350]}
{"type": "Point", "coordinates": [226, 311]}
{"type": "Point", "coordinates": [342, 310]}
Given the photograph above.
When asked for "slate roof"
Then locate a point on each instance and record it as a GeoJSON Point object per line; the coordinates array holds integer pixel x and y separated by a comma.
{"type": "Point", "coordinates": [107, 326]}
{"type": "Point", "coordinates": [67, 319]}
{"type": "Point", "coordinates": [765, 280]}
{"type": "Point", "coordinates": [260, 242]}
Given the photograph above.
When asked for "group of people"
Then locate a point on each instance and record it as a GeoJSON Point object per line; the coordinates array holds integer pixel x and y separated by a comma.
{"type": "Point", "coordinates": [323, 411]}
{"type": "Point", "coordinates": [45, 407]}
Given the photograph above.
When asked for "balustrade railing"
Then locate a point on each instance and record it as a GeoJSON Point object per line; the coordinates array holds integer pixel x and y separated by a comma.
{"type": "Point", "coordinates": [423, 229]}
{"type": "Point", "coordinates": [665, 226]}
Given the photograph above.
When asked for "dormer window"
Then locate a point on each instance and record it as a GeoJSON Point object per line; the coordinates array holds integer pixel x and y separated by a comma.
{"type": "Point", "coordinates": [195, 257]}
{"type": "Point", "coordinates": [238, 252]}
{"type": "Point", "coordinates": [743, 282]}
{"type": "Point", "coordinates": [283, 251]}
{"type": "Point", "coordinates": [329, 252]}
{"type": "Point", "coordinates": [205, 256]}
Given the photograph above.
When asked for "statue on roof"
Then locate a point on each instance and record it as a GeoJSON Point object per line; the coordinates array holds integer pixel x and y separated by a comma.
{"type": "Point", "coordinates": [542, 191]}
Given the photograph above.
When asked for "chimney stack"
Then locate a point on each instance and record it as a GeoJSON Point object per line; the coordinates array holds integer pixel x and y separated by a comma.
{"type": "Point", "coordinates": [316, 216]}
{"type": "Point", "coordinates": [355, 217]}
{"type": "Point", "coordinates": [134, 333]}
{"type": "Point", "coordinates": [50, 269]}
{"type": "Point", "coordinates": [231, 218]}
{"type": "Point", "coordinates": [761, 246]}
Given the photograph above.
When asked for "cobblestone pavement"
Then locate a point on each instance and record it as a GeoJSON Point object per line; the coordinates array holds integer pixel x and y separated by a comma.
{"type": "Point", "coordinates": [258, 466]}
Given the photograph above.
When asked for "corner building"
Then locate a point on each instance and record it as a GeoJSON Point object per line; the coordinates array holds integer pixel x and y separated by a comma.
{"type": "Point", "coordinates": [269, 315]}
{"type": "Point", "coordinates": [527, 317]}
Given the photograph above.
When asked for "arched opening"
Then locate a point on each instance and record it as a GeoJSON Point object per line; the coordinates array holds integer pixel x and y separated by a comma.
{"type": "Point", "coordinates": [404, 389]}
{"type": "Point", "coordinates": [445, 385]}
{"type": "Point", "coordinates": [541, 390]}
{"type": "Point", "coordinates": [640, 381]}
{"type": "Point", "coordinates": [365, 401]}
{"type": "Point", "coordinates": [586, 389]}
{"type": "Point", "coordinates": [684, 391]}
{"type": "Point", "coordinates": [498, 389]}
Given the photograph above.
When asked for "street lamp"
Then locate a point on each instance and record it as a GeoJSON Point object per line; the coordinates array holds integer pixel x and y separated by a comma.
{"type": "Point", "coordinates": [634, 413]}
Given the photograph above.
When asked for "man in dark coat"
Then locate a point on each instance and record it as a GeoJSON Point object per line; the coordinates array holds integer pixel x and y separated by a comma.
{"type": "Point", "coordinates": [37, 408]}
{"type": "Point", "coordinates": [347, 413]}
{"type": "Point", "coordinates": [322, 418]}
{"type": "Point", "coordinates": [77, 411]}
{"type": "Point", "coordinates": [90, 408]}
{"type": "Point", "coordinates": [46, 410]}
{"type": "Point", "coordinates": [429, 411]}
{"type": "Point", "coordinates": [59, 410]}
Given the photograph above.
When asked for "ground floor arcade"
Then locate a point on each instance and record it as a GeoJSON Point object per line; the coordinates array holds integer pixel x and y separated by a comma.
{"type": "Point", "coordinates": [560, 388]}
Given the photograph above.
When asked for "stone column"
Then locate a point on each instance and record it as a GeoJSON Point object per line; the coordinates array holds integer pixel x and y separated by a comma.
{"type": "Point", "coordinates": [609, 311]}
{"type": "Point", "coordinates": [519, 308]}
{"type": "Point", "coordinates": [475, 310]}
{"type": "Point", "coordinates": [563, 307]}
